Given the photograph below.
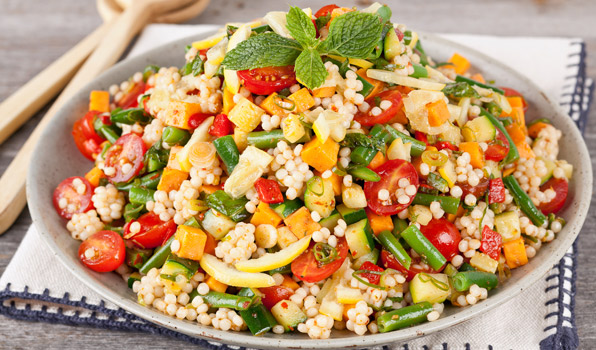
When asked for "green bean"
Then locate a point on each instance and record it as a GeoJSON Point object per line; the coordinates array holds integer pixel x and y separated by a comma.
{"type": "Point", "coordinates": [466, 267]}
{"type": "Point", "coordinates": [136, 258]}
{"type": "Point", "coordinates": [462, 79]}
{"type": "Point", "coordinates": [513, 154]}
{"type": "Point", "coordinates": [228, 151]}
{"type": "Point", "coordinates": [449, 204]}
{"type": "Point", "coordinates": [399, 225]}
{"type": "Point", "coordinates": [391, 243]}
{"type": "Point", "coordinates": [231, 301]}
{"type": "Point", "coordinates": [363, 155]}
{"type": "Point", "coordinates": [192, 222]}
{"type": "Point", "coordinates": [524, 202]}
{"type": "Point", "coordinates": [132, 211]}
{"type": "Point", "coordinates": [404, 317]}
{"type": "Point", "coordinates": [265, 139]}
{"type": "Point", "coordinates": [258, 319]}
{"type": "Point", "coordinates": [419, 71]}
{"type": "Point", "coordinates": [135, 276]}
{"type": "Point", "coordinates": [139, 195]}
{"type": "Point", "coordinates": [130, 116]}
{"type": "Point", "coordinates": [364, 173]}
{"type": "Point", "coordinates": [422, 246]}
{"type": "Point", "coordinates": [462, 281]}
{"type": "Point", "coordinates": [158, 258]}
{"type": "Point", "coordinates": [175, 136]}
{"type": "Point", "coordinates": [281, 270]}
{"type": "Point", "coordinates": [436, 181]}
{"type": "Point", "coordinates": [378, 131]}
{"type": "Point", "coordinates": [417, 146]}
{"type": "Point", "coordinates": [151, 180]}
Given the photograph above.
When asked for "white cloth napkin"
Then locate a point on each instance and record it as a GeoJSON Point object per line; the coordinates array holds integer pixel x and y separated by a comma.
{"type": "Point", "coordinates": [36, 287]}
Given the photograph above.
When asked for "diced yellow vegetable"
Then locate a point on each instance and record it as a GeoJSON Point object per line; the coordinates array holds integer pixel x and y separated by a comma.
{"type": "Point", "coordinates": [192, 242]}
{"type": "Point", "coordinates": [178, 113]}
{"type": "Point", "coordinates": [290, 283]}
{"type": "Point", "coordinates": [293, 128]}
{"type": "Point", "coordinates": [347, 295]}
{"type": "Point", "coordinates": [420, 214]}
{"type": "Point", "coordinates": [200, 134]}
{"type": "Point", "coordinates": [94, 175]}
{"type": "Point", "coordinates": [460, 63]}
{"type": "Point", "coordinates": [321, 128]}
{"type": "Point", "coordinates": [422, 288]}
{"type": "Point", "coordinates": [226, 274]}
{"type": "Point", "coordinates": [209, 42]}
{"type": "Point", "coordinates": [265, 215]}
{"type": "Point", "coordinates": [216, 285]}
{"type": "Point", "coordinates": [171, 179]}
{"type": "Point", "coordinates": [399, 150]}
{"type": "Point", "coordinates": [515, 253]}
{"type": "Point", "coordinates": [271, 261]}
{"type": "Point", "coordinates": [321, 156]}
{"type": "Point", "coordinates": [335, 181]}
{"type": "Point", "coordinates": [353, 196]}
{"type": "Point", "coordinates": [447, 172]}
{"type": "Point", "coordinates": [301, 223]}
{"type": "Point", "coordinates": [303, 100]}
{"type": "Point", "coordinates": [251, 166]}
{"type": "Point", "coordinates": [285, 237]}
{"type": "Point", "coordinates": [173, 160]}
{"type": "Point", "coordinates": [246, 115]}
{"type": "Point", "coordinates": [354, 61]}
{"type": "Point", "coordinates": [228, 101]}
{"type": "Point", "coordinates": [484, 262]}
{"type": "Point", "coordinates": [99, 101]}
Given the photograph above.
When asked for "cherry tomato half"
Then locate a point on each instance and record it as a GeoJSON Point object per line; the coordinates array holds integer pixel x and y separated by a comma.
{"type": "Point", "coordinates": [390, 172]}
{"type": "Point", "coordinates": [131, 95]}
{"type": "Point", "coordinates": [478, 190]}
{"type": "Point", "coordinates": [306, 266]}
{"type": "Point", "coordinates": [195, 120]}
{"type": "Point", "coordinates": [274, 294]}
{"type": "Point", "coordinates": [561, 188]}
{"type": "Point", "coordinates": [390, 262]}
{"type": "Point", "coordinates": [153, 232]}
{"type": "Point", "coordinates": [68, 201]}
{"type": "Point", "coordinates": [512, 92]}
{"type": "Point", "coordinates": [103, 251]}
{"type": "Point", "coordinates": [86, 139]}
{"type": "Point", "coordinates": [367, 118]}
{"type": "Point", "coordinates": [265, 81]}
{"type": "Point", "coordinates": [371, 277]}
{"type": "Point", "coordinates": [443, 235]}
{"type": "Point", "coordinates": [128, 149]}
{"type": "Point", "coordinates": [325, 10]}
{"type": "Point", "coordinates": [498, 148]}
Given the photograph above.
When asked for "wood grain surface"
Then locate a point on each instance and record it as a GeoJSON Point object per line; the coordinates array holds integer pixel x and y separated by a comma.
{"type": "Point", "coordinates": [33, 33]}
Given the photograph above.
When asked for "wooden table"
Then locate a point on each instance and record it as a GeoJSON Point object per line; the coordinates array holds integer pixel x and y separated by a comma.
{"type": "Point", "coordinates": [33, 33]}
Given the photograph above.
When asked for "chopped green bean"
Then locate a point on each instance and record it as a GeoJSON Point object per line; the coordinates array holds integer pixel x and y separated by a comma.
{"type": "Point", "coordinates": [462, 281]}
{"type": "Point", "coordinates": [513, 153]}
{"type": "Point", "coordinates": [449, 204]}
{"type": "Point", "coordinates": [175, 136]}
{"type": "Point", "coordinates": [228, 151]}
{"type": "Point", "coordinates": [391, 243]}
{"type": "Point", "coordinates": [424, 247]}
{"type": "Point", "coordinates": [523, 200]}
{"type": "Point", "coordinates": [231, 301]}
{"type": "Point", "coordinates": [404, 317]}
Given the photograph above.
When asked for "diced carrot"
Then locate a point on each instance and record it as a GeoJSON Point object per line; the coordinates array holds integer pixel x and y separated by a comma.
{"type": "Point", "coordinates": [509, 171]}
{"type": "Point", "coordinates": [519, 139]}
{"type": "Point", "coordinates": [265, 215]}
{"type": "Point", "coordinates": [460, 213]}
{"type": "Point", "coordinates": [479, 78]}
{"type": "Point", "coordinates": [94, 175]}
{"type": "Point", "coordinates": [377, 161]}
{"type": "Point", "coordinates": [171, 179]}
{"type": "Point", "coordinates": [290, 283]}
{"type": "Point", "coordinates": [460, 63]}
{"type": "Point", "coordinates": [178, 113]}
{"type": "Point", "coordinates": [173, 162]}
{"type": "Point", "coordinates": [535, 128]}
{"type": "Point", "coordinates": [192, 242]}
{"type": "Point", "coordinates": [325, 91]}
{"type": "Point", "coordinates": [302, 99]}
{"type": "Point", "coordinates": [228, 101]}
{"type": "Point", "coordinates": [378, 85]}
{"type": "Point", "coordinates": [210, 245]}
{"type": "Point", "coordinates": [347, 308]}
{"type": "Point", "coordinates": [517, 113]}
{"type": "Point", "coordinates": [515, 101]}
{"type": "Point", "coordinates": [476, 153]}
{"type": "Point", "coordinates": [321, 156]}
{"type": "Point", "coordinates": [99, 101]}
{"type": "Point", "coordinates": [269, 105]}
{"type": "Point", "coordinates": [336, 181]}
{"type": "Point", "coordinates": [379, 223]}
{"type": "Point", "coordinates": [438, 113]}
{"type": "Point", "coordinates": [209, 189]}
{"type": "Point", "coordinates": [301, 223]}
{"type": "Point", "coordinates": [515, 253]}
{"type": "Point", "coordinates": [216, 285]}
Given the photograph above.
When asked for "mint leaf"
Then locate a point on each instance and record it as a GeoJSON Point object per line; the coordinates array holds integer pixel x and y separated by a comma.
{"type": "Point", "coordinates": [310, 70]}
{"type": "Point", "coordinates": [263, 50]}
{"type": "Point", "coordinates": [301, 27]}
{"type": "Point", "coordinates": [354, 34]}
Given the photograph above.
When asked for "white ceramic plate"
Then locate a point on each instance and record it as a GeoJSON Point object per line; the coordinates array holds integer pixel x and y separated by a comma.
{"type": "Point", "coordinates": [56, 158]}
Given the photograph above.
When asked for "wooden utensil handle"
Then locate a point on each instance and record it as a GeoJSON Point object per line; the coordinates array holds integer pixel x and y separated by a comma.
{"type": "Point", "coordinates": [31, 97]}
{"type": "Point", "coordinates": [12, 182]}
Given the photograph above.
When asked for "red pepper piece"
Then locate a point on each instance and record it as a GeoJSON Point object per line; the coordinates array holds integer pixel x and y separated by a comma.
{"type": "Point", "coordinates": [445, 145]}
{"type": "Point", "coordinates": [496, 192]}
{"type": "Point", "coordinates": [420, 136]}
{"type": "Point", "coordinates": [269, 191]}
{"type": "Point", "coordinates": [491, 243]}
{"type": "Point", "coordinates": [371, 277]}
{"type": "Point", "coordinates": [222, 126]}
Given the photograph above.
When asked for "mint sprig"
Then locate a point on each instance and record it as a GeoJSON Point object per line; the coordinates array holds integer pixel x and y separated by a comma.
{"type": "Point", "coordinates": [351, 35]}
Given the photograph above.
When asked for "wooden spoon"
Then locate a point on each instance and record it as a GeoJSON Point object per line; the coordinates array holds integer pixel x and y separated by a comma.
{"type": "Point", "coordinates": [111, 47]}
{"type": "Point", "coordinates": [31, 97]}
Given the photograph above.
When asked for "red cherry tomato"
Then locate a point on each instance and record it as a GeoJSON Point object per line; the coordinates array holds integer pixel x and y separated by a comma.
{"type": "Point", "coordinates": [491, 243]}
{"type": "Point", "coordinates": [195, 120]}
{"type": "Point", "coordinates": [366, 118]}
{"type": "Point", "coordinates": [561, 188]}
{"type": "Point", "coordinates": [498, 148]}
{"type": "Point", "coordinates": [478, 190]}
{"type": "Point", "coordinates": [307, 268]}
{"type": "Point", "coordinates": [131, 95]}
{"type": "Point", "coordinates": [441, 145]}
{"type": "Point", "coordinates": [265, 81]}
{"type": "Point", "coordinates": [222, 126]}
{"type": "Point", "coordinates": [420, 136]}
{"type": "Point", "coordinates": [103, 251]}
{"type": "Point", "coordinates": [86, 139]}
{"type": "Point", "coordinates": [390, 173]}
{"type": "Point", "coordinates": [153, 232]}
{"type": "Point", "coordinates": [325, 10]}
{"type": "Point", "coordinates": [371, 277]}
{"type": "Point", "coordinates": [274, 294]}
{"type": "Point", "coordinates": [68, 201]}
{"type": "Point", "coordinates": [269, 191]}
{"type": "Point", "coordinates": [443, 235]}
{"type": "Point", "coordinates": [512, 92]}
{"type": "Point", "coordinates": [390, 262]}
{"type": "Point", "coordinates": [128, 149]}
